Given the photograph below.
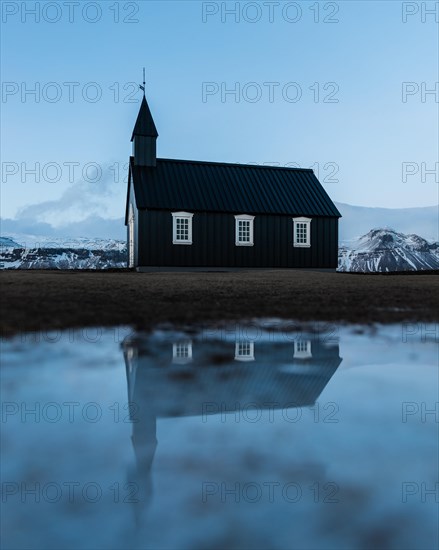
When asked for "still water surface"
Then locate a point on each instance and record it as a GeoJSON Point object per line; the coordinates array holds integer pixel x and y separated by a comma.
{"type": "Point", "coordinates": [261, 435]}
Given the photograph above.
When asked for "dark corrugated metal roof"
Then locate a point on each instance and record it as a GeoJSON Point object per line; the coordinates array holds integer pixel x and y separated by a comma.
{"type": "Point", "coordinates": [236, 188]}
{"type": "Point", "coordinates": [145, 123]}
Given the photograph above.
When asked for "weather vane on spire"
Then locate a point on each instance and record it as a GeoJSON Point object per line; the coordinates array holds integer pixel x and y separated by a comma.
{"type": "Point", "coordinates": [143, 87]}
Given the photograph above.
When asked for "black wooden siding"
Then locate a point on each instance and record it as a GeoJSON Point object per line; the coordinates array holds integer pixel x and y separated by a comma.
{"type": "Point", "coordinates": [213, 237]}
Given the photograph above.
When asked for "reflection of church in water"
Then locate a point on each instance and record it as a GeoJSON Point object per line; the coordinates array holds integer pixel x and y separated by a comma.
{"type": "Point", "coordinates": [181, 375]}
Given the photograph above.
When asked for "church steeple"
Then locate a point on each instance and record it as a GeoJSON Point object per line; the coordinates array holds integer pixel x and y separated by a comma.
{"type": "Point", "coordinates": [144, 124]}
{"type": "Point", "coordinates": [144, 136]}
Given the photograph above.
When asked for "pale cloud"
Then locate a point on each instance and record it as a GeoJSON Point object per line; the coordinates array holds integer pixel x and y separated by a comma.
{"type": "Point", "coordinates": [83, 199]}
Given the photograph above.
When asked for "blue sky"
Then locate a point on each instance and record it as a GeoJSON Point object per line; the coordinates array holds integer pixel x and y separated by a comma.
{"type": "Point", "coordinates": [336, 100]}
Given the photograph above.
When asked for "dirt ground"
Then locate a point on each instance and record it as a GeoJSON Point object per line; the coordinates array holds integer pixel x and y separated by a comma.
{"type": "Point", "coordinates": [42, 300]}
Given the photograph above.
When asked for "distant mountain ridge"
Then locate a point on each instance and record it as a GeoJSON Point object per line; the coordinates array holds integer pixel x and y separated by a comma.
{"type": "Point", "coordinates": [39, 252]}
{"type": "Point", "coordinates": [359, 220]}
{"type": "Point", "coordinates": [7, 242]}
{"type": "Point", "coordinates": [385, 250]}
{"type": "Point", "coordinates": [14, 240]}
{"type": "Point", "coordinates": [62, 258]}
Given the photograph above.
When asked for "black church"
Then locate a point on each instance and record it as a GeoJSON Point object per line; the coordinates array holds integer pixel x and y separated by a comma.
{"type": "Point", "coordinates": [197, 214]}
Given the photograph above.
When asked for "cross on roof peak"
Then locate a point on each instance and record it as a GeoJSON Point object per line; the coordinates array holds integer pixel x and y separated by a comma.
{"type": "Point", "coordinates": [143, 87]}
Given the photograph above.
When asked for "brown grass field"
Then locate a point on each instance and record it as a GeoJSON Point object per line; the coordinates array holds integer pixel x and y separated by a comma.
{"type": "Point", "coordinates": [43, 300]}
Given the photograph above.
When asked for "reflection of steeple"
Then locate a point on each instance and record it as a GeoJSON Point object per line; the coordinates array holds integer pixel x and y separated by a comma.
{"type": "Point", "coordinates": [172, 377]}
{"type": "Point", "coordinates": [144, 444]}
{"type": "Point", "coordinates": [143, 436]}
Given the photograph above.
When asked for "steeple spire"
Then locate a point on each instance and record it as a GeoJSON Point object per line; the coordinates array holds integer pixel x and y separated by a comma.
{"type": "Point", "coordinates": [145, 123]}
{"type": "Point", "coordinates": [143, 87]}
{"type": "Point", "coordinates": [144, 134]}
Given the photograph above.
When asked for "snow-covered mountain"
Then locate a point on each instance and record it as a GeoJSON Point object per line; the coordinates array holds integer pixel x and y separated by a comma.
{"type": "Point", "coordinates": [20, 240]}
{"type": "Point", "coordinates": [386, 250]}
{"type": "Point", "coordinates": [62, 258]}
{"type": "Point", "coordinates": [18, 251]}
{"type": "Point", "coordinates": [358, 220]}
{"type": "Point", "coordinates": [7, 242]}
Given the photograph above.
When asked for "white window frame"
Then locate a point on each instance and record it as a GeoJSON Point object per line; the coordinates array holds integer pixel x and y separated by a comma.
{"type": "Point", "coordinates": [176, 352]}
{"type": "Point", "coordinates": [239, 356]}
{"type": "Point", "coordinates": [250, 219]}
{"type": "Point", "coordinates": [307, 222]}
{"type": "Point", "coordinates": [186, 216]}
{"type": "Point", "coordinates": [302, 351]}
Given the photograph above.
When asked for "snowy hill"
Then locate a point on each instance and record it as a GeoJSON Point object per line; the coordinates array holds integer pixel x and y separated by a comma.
{"type": "Point", "coordinates": [62, 258]}
{"type": "Point", "coordinates": [20, 240]}
{"type": "Point", "coordinates": [358, 220]}
{"type": "Point", "coordinates": [7, 242]}
{"type": "Point", "coordinates": [386, 250]}
{"type": "Point", "coordinates": [22, 251]}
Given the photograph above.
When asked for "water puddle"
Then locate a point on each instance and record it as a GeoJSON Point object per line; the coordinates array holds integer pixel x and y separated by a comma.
{"type": "Point", "coordinates": [255, 435]}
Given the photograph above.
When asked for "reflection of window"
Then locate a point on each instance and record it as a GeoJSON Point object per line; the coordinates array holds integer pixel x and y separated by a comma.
{"type": "Point", "coordinates": [182, 352]}
{"type": "Point", "coordinates": [182, 228]}
{"type": "Point", "coordinates": [130, 353]}
{"type": "Point", "coordinates": [302, 349]}
{"type": "Point", "coordinates": [131, 356]}
{"type": "Point", "coordinates": [244, 230]}
{"type": "Point", "coordinates": [302, 232]}
{"type": "Point", "coordinates": [245, 351]}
